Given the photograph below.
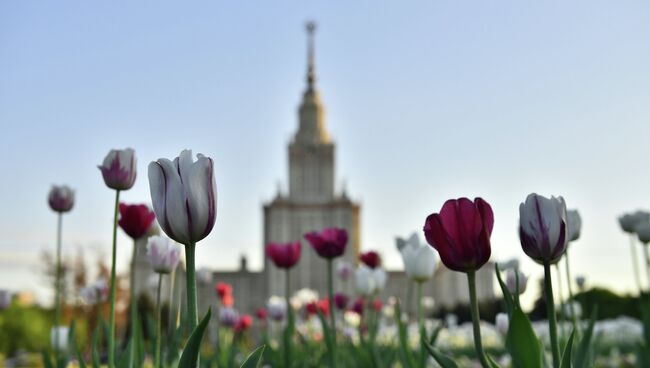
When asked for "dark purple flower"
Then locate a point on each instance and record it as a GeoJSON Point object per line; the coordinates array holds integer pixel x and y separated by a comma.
{"type": "Point", "coordinates": [371, 259]}
{"type": "Point", "coordinates": [284, 255]}
{"type": "Point", "coordinates": [135, 219]}
{"type": "Point", "coordinates": [328, 243]}
{"type": "Point", "coordinates": [341, 301]}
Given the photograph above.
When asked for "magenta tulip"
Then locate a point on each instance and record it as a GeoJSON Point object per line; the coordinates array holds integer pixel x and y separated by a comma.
{"type": "Point", "coordinates": [461, 233]}
{"type": "Point", "coordinates": [328, 243]}
{"type": "Point", "coordinates": [284, 255]}
{"type": "Point", "coordinates": [135, 219]}
{"type": "Point", "coordinates": [370, 259]}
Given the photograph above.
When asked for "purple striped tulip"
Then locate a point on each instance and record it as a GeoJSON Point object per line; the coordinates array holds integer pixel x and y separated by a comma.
{"type": "Point", "coordinates": [543, 228]}
{"type": "Point", "coordinates": [184, 196]}
{"type": "Point", "coordinates": [163, 254]}
{"type": "Point", "coordinates": [119, 169]}
{"type": "Point", "coordinates": [61, 198]}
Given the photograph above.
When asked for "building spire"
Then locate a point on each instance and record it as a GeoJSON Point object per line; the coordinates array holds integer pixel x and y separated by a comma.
{"type": "Point", "coordinates": [310, 26]}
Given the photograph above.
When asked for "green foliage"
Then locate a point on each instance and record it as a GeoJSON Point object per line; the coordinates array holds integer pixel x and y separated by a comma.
{"type": "Point", "coordinates": [585, 347]}
{"type": "Point", "coordinates": [522, 344]}
{"type": "Point", "coordinates": [443, 360]}
{"type": "Point", "coordinates": [24, 328]}
{"type": "Point", "coordinates": [190, 354]}
{"type": "Point", "coordinates": [566, 355]}
{"type": "Point", "coordinates": [254, 359]}
{"type": "Point", "coordinates": [609, 304]}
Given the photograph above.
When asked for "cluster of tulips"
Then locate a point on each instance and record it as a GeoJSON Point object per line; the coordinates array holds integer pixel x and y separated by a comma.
{"type": "Point", "coordinates": [183, 194]}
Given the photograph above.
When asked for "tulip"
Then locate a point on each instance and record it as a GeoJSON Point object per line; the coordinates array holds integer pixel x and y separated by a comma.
{"type": "Point", "coordinates": [95, 293]}
{"type": "Point", "coordinates": [261, 314]}
{"type": "Point", "coordinates": [59, 338]}
{"type": "Point", "coordinates": [543, 236]}
{"type": "Point", "coordinates": [119, 169]}
{"type": "Point", "coordinates": [119, 172]}
{"type": "Point", "coordinates": [412, 241]}
{"type": "Point", "coordinates": [574, 224]}
{"type": "Point", "coordinates": [357, 307]}
{"type": "Point", "coordinates": [419, 263]}
{"type": "Point", "coordinates": [228, 317]}
{"type": "Point", "coordinates": [502, 323]}
{"type": "Point", "coordinates": [364, 280]}
{"type": "Point", "coordinates": [580, 281]}
{"type": "Point", "coordinates": [516, 281]}
{"type": "Point", "coordinates": [629, 222]}
{"type": "Point", "coordinates": [370, 259]}
{"type": "Point", "coordinates": [461, 233]}
{"type": "Point", "coordinates": [244, 322]}
{"type": "Point", "coordinates": [184, 197]}
{"type": "Point", "coordinates": [376, 305]}
{"type": "Point", "coordinates": [328, 243]}
{"type": "Point", "coordinates": [343, 270]}
{"type": "Point", "coordinates": [322, 306]}
{"type": "Point", "coordinates": [135, 219]}
{"type": "Point", "coordinates": [163, 254]}
{"type": "Point", "coordinates": [204, 276]}
{"type": "Point", "coordinates": [224, 290]}
{"type": "Point", "coordinates": [380, 276]}
{"type": "Point", "coordinates": [277, 308]}
{"type": "Point", "coordinates": [643, 232]}
{"type": "Point", "coordinates": [543, 228]}
{"type": "Point", "coordinates": [5, 299]}
{"type": "Point", "coordinates": [61, 198]}
{"type": "Point", "coordinates": [341, 301]}
{"type": "Point", "coordinates": [284, 255]}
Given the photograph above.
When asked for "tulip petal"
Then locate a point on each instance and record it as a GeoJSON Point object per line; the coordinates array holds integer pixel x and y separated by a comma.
{"type": "Point", "coordinates": [201, 196]}
{"type": "Point", "coordinates": [170, 199]}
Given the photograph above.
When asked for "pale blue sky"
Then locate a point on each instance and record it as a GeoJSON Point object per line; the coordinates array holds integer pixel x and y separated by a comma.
{"type": "Point", "coordinates": [427, 100]}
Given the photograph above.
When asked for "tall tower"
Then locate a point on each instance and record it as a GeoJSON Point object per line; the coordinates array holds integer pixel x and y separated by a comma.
{"type": "Point", "coordinates": [312, 202]}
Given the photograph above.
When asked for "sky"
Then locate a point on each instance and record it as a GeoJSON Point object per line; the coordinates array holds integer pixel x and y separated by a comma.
{"type": "Point", "coordinates": [426, 101]}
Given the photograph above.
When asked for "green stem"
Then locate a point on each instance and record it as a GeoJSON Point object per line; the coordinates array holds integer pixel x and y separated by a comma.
{"type": "Point", "coordinates": [635, 264]}
{"type": "Point", "coordinates": [158, 322]}
{"type": "Point", "coordinates": [561, 297]}
{"type": "Point", "coordinates": [191, 285]}
{"type": "Point", "coordinates": [409, 292]}
{"type": "Point", "coordinates": [420, 316]}
{"type": "Point", "coordinates": [133, 301]}
{"type": "Point", "coordinates": [552, 323]}
{"type": "Point", "coordinates": [574, 319]}
{"type": "Point", "coordinates": [111, 317]}
{"type": "Point", "coordinates": [476, 319]}
{"type": "Point", "coordinates": [647, 263]}
{"type": "Point", "coordinates": [171, 296]}
{"type": "Point", "coordinates": [419, 306]}
{"type": "Point", "coordinates": [288, 332]}
{"type": "Point", "coordinates": [330, 290]}
{"type": "Point", "coordinates": [57, 286]}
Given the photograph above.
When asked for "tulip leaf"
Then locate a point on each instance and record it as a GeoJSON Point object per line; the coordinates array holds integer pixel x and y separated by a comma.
{"type": "Point", "coordinates": [443, 360]}
{"type": "Point", "coordinates": [491, 362]}
{"type": "Point", "coordinates": [190, 355]}
{"type": "Point", "coordinates": [125, 359]}
{"type": "Point", "coordinates": [72, 344]}
{"type": "Point", "coordinates": [254, 359]}
{"type": "Point", "coordinates": [507, 296]}
{"type": "Point", "coordinates": [521, 342]}
{"type": "Point", "coordinates": [95, 354]}
{"type": "Point", "coordinates": [581, 358]}
{"type": "Point", "coordinates": [328, 338]}
{"type": "Point", "coordinates": [404, 350]}
{"type": "Point", "coordinates": [566, 356]}
{"type": "Point", "coordinates": [47, 361]}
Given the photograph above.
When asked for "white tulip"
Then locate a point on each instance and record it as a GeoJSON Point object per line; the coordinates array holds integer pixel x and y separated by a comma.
{"type": "Point", "coordinates": [511, 281]}
{"type": "Point", "coordinates": [574, 224]}
{"type": "Point", "coordinates": [643, 232]}
{"type": "Point", "coordinates": [629, 221]}
{"type": "Point", "coordinates": [59, 338]}
{"type": "Point", "coordinates": [543, 228]}
{"type": "Point", "coordinates": [163, 254]}
{"type": "Point", "coordinates": [364, 280]}
{"type": "Point", "coordinates": [419, 262]}
{"type": "Point", "coordinates": [502, 323]}
{"type": "Point", "coordinates": [380, 276]}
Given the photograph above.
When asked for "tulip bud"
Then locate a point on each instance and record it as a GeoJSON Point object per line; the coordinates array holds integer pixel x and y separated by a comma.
{"type": "Point", "coordinates": [277, 308]}
{"type": "Point", "coordinates": [370, 259]}
{"type": "Point", "coordinates": [61, 198]}
{"type": "Point", "coordinates": [461, 233]}
{"type": "Point", "coordinates": [228, 316]}
{"type": "Point", "coordinates": [574, 224]}
{"type": "Point", "coordinates": [343, 270]}
{"type": "Point", "coordinates": [381, 277]}
{"type": "Point", "coordinates": [512, 275]}
{"type": "Point", "coordinates": [502, 323]}
{"type": "Point", "coordinates": [629, 221]}
{"type": "Point", "coordinates": [341, 301]}
{"type": "Point", "coordinates": [643, 232]}
{"type": "Point", "coordinates": [364, 280]}
{"type": "Point", "coordinates": [261, 314]}
{"type": "Point", "coordinates": [184, 196]}
{"type": "Point", "coordinates": [328, 243]}
{"type": "Point", "coordinates": [412, 241]}
{"type": "Point", "coordinates": [419, 262]}
{"type": "Point", "coordinates": [59, 338]}
{"type": "Point", "coordinates": [204, 276]}
{"type": "Point", "coordinates": [135, 219]}
{"type": "Point", "coordinates": [243, 323]}
{"type": "Point", "coordinates": [119, 169]}
{"type": "Point", "coordinates": [163, 254]}
{"type": "Point", "coordinates": [284, 255]}
{"type": "Point", "coordinates": [97, 292]}
{"type": "Point", "coordinates": [543, 228]}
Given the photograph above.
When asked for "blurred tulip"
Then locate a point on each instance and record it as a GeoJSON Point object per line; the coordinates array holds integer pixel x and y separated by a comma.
{"type": "Point", "coordinates": [511, 281]}
{"type": "Point", "coordinates": [643, 232]}
{"type": "Point", "coordinates": [59, 338]}
{"type": "Point", "coordinates": [380, 276]}
{"type": "Point", "coordinates": [184, 196]}
{"type": "Point", "coordinates": [502, 323]}
{"type": "Point", "coordinates": [580, 281]}
{"type": "Point", "coordinates": [61, 198]}
{"type": "Point", "coordinates": [284, 255]}
{"type": "Point", "coordinates": [119, 169]}
{"type": "Point", "coordinates": [357, 307]}
{"type": "Point", "coordinates": [376, 305]}
{"type": "Point", "coordinates": [261, 313]}
{"type": "Point", "coordinates": [461, 233]}
{"type": "Point", "coordinates": [364, 280]}
{"type": "Point", "coordinates": [328, 243]}
{"type": "Point", "coordinates": [135, 219]}
{"type": "Point", "coordinates": [5, 299]}
{"type": "Point", "coordinates": [412, 241]}
{"type": "Point", "coordinates": [228, 316]}
{"type": "Point", "coordinates": [95, 293]}
{"type": "Point", "coordinates": [204, 276]}
{"type": "Point", "coordinates": [163, 254]}
{"type": "Point", "coordinates": [370, 259]}
{"type": "Point", "coordinates": [244, 323]}
{"type": "Point", "coordinates": [629, 221]}
{"type": "Point", "coordinates": [341, 301]}
{"type": "Point", "coordinates": [223, 289]}
{"type": "Point", "coordinates": [343, 270]}
{"type": "Point", "coordinates": [510, 264]}
{"type": "Point", "coordinates": [277, 308]}
{"type": "Point", "coordinates": [574, 224]}
{"type": "Point", "coordinates": [543, 228]}
{"type": "Point", "coordinates": [419, 262]}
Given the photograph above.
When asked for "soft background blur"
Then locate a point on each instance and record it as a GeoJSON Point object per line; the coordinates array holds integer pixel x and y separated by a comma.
{"type": "Point", "coordinates": [426, 100]}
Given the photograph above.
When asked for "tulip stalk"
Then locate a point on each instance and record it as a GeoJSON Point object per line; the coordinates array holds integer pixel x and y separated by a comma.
{"type": "Point", "coordinates": [288, 333]}
{"type": "Point", "coordinates": [476, 319]}
{"type": "Point", "coordinates": [191, 285]}
{"type": "Point", "coordinates": [57, 285]}
{"type": "Point", "coordinates": [561, 297]}
{"type": "Point", "coordinates": [111, 317]}
{"type": "Point", "coordinates": [158, 322]}
{"type": "Point", "coordinates": [574, 319]}
{"type": "Point", "coordinates": [552, 322]}
{"type": "Point", "coordinates": [330, 290]}
{"type": "Point", "coordinates": [635, 264]}
{"type": "Point", "coordinates": [647, 263]}
{"type": "Point", "coordinates": [134, 302]}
